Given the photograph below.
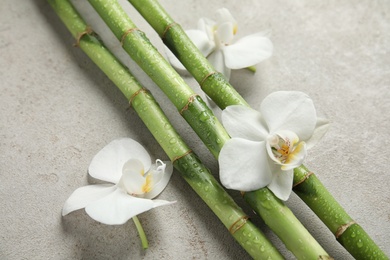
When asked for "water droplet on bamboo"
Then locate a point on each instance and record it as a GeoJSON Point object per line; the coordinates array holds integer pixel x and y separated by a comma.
{"type": "Point", "coordinates": [203, 116]}
{"type": "Point", "coordinates": [135, 102]}
{"type": "Point", "coordinates": [185, 166]}
{"type": "Point", "coordinates": [266, 205]}
{"type": "Point", "coordinates": [359, 243]}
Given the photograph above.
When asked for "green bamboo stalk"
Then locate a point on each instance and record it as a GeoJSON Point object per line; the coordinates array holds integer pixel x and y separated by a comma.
{"type": "Point", "coordinates": [188, 165]}
{"type": "Point", "coordinates": [160, 71]}
{"type": "Point", "coordinates": [196, 113]}
{"type": "Point", "coordinates": [217, 87]}
{"type": "Point", "coordinates": [350, 234]}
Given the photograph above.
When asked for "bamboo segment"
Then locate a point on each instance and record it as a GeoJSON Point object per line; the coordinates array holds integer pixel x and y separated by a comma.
{"type": "Point", "coordinates": [346, 230]}
{"type": "Point", "coordinates": [184, 160]}
{"type": "Point", "coordinates": [212, 82]}
{"type": "Point", "coordinates": [139, 48]}
{"type": "Point", "coordinates": [217, 87]}
{"type": "Point", "coordinates": [193, 109]}
{"type": "Point", "coordinates": [270, 207]}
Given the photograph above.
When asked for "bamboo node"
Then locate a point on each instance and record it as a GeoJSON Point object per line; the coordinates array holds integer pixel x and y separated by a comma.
{"type": "Point", "coordinates": [343, 228]}
{"type": "Point", "coordinates": [206, 77]}
{"type": "Point", "coordinates": [169, 26]}
{"type": "Point", "coordinates": [141, 90]}
{"type": "Point", "coordinates": [126, 33]}
{"type": "Point", "coordinates": [190, 100]}
{"type": "Point", "coordinates": [303, 179]}
{"type": "Point", "coordinates": [239, 223]}
{"type": "Point", "coordinates": [88, 30]}
{"type": "Point", "coordinates": [181, 156]}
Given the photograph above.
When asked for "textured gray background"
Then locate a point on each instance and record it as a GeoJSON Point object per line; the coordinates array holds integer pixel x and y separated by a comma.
{"type": "Point", "coordinates": [57, 110]}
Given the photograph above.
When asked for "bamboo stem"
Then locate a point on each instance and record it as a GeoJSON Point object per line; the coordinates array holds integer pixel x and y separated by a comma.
{"type": "Point", "coordinates": [191, 106]}
{"type": "Point", "coordinates": [188, 165]}
{"type": "Point", "coordinates": [217, 87]}
{"type": "Point", "coordinates": [160, 71]}
{"type": "Point", "coordinates": [351, 235]}
{"type": "Point", "coordinates": [212, 82]}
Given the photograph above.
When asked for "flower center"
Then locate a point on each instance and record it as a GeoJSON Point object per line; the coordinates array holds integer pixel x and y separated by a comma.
{"type": "Point", "coordinates": [285, 149]}
{"type": "Point", "coordinates": [135, 180]}
{"type": "Point", "coordinates": [282, 148]}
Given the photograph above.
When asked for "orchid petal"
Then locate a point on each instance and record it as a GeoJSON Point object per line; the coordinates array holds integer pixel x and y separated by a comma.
{"type": "Point", "coordinates": [216, 59]}
{"type": "Point", "coordinates": [225, 33]}
{"type": "Point", "coordinates": [82, 196]}
{"type": "Point", "coordinates": [118, 207]}
{"type": "Point", "coordinates": [321, 128]}
{"type": "Point", "coordinates": [207, 25]}
{"type": "Point", "coordinates": [201, 41]}
{"type": "Point", "coordinates": [108, 163]}
{"type": "Point", "coordinates": [244, 165]}
{"type": "Point", "coordinates": [281, 184]}
{"type": "Point", "coordinates": [244, 122]}
{"type": "Point", "coordinates": [224, 16]}
{"type": "Point", "coordinates": [161, 180]}
{"type": "Point", "coordinates": [248, 51]}
{"type": "Point", "coordinates": [290, 110]}
{"type": "Point", "coordinates": [133, 178]}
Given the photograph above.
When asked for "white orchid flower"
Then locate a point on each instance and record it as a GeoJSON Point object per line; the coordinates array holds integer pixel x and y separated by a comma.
{"type": "Point", "coordinates": [267, 145]}
{"type": "Point", "coordinates": [134, 181]}
{"type": "Point", "coordinates": [215, 39]}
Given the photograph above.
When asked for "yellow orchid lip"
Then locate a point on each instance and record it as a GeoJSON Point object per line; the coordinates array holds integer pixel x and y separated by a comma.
{"type": "Point", "coordinates": [147, 186]}
{"type": "Point", "coordinates": [235, 29]}
{"type": "Point", "coordinates": [295, 150]}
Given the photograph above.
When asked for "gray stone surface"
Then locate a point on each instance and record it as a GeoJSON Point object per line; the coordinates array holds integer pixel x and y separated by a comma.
{"type": "Point", "coordinates": [57, 110]}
